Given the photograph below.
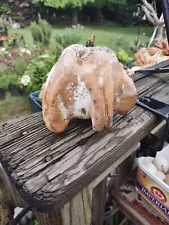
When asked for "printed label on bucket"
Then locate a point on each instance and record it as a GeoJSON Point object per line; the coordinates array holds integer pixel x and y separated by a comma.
{"type": "Point", "coordinates": [156, 196]}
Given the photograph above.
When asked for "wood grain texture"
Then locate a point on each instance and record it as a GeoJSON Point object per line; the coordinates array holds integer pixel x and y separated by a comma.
{"type": "Point", "coordinates": [124, 170]}
{"type": "Point", "coordinates": [53, 218]}
{"type": "Point", "coordinates": [50, 169]}
{"type": "Point", "coordinates": [113, 167]}
{"type": "Point", "coordinates": [75, 212]}
{"type": "Point", "coordinates": [11, 195]}
{"type": "Point", "coordinates": [98, 207]}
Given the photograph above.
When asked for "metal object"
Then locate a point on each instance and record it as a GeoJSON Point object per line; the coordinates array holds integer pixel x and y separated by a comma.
{"type": "Point", "coordinates": [153, 70]}
{"type": "Point", "coordinates": [152, 144]}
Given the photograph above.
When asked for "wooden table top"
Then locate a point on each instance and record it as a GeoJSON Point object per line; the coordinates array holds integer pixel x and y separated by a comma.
{"type": "Point", "coordinates": [50, 169]}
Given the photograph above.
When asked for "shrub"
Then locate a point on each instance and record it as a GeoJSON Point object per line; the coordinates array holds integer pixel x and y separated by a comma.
{"type": "Point", "coordinates": [2, 70]}
{"type": "Point", "coordinates": [36, 32]}
{"type": "Point", "coordinates": [9, 78]}
{"type": "Point", "coordinates": [36, 222]}
{"type": "Point", "coordinates": [41, 32]}
{"type": "Point", "coordinates": [5, 9]}
{"type": "Point", "coordinates": [37, 71]}
{"type": "Point", "coordinates": [46, 31]}
{"type": "Point", "coordinates": [70, 36]}
{"type": "Point", "coordinates": [119, 41]}
{"type": "Point", "coordinates": [123, 56]}
{"type": "Point", "coordinates": [19, 66]}
{"type": "Point", "coordinates": [3, 82]}
{"type": "Point", "coordinates": [13, 79]}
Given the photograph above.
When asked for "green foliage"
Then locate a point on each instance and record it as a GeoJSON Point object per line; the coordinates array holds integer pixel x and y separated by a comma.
{"type": "Point", "coordinates": [36, 222]}
{"type": "Point", "coordinates": [119, 41]}
{"type": "Point", "coordinates": [19, 66]}
{"type": "Point", "coordinates": [33, 222]}
{"type": "Point", "coordinates": [64, 3]}
{"type": "Point", "coordinates": [70, 36]}
{"type": "Point", "coordinates": [13, 79]}
{"type": "Point", "coordinates": [2, 70]}
{"type": "Point", "coordinates": [123, 56]}
{"type": "Point", "coordinates": [4, 82]}
{"type": "Point", "coordinates": [46, 31]}
{"type": "Point", "coordinates": [41, 31]}
{"type": "Point", "coordinates": [36, 72]}
{"type": "Point", "coordinates": [9, 78]}
{"type": "Point", "coordinates": [106, 34]}
{"type": "Point", "coordinates": [13, 106]}
{"type": "Point", "coordinates": [120, 11]}
{"type": "Point", "coordinates": [3, 78]}
{"type": "Point", "coordinates": [129, 46]}
{"type": "Point", "coordinates": [108, 2]}
{"type": "Point", "coordinates": [36, 32]}
{"type": "Point", "coordinates": [5, 9]}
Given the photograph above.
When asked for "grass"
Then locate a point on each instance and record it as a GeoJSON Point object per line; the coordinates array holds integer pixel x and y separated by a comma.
{"type": "Point", "coordinates": [109, 35]}
{"type": "Point", "coordinates": [12, 107]}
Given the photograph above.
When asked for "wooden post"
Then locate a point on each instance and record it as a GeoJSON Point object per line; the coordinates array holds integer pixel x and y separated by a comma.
{"type": "Point", "coordinates": [75, 212]}
{"type": "Point", "coordinates": [11, 198]}
{"type": "Point", "coordinates": [125, 170]}
{"type": "Point", "coordinates": [99, 198]}
{"type": "Point", "coordinates": [10, 193]}
{"type": "Point", "coordinates": [49, 218]}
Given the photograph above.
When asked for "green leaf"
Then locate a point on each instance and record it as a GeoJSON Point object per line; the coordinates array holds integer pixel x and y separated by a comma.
{"type": "Point", "coordinates": [64, 3]}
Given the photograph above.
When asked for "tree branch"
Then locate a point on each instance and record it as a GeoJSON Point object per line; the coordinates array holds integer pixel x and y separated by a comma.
{"type": "Point", "coordinates": [151, 14]}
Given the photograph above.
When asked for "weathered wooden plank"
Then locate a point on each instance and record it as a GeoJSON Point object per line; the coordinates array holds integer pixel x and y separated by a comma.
{"type": "Point", "coordinates": [75, 212]}
{"type": "Point", "coordinates": [115, 164]}
{"type": "Point", "coordinates": [99, 198]}
{"type": "Point", "coordinates": [81, 207]}
{"type": "Point", "coordinates": [124, 170]}
{"type": "Point", "coordinates": [11, 194]}
{"type": "Point", "coordinates": [80, 210]}
{"type": "Point", "coordinates": [50, 169]}
{"type": "Point", "coordinates": [11, 198]}
{"type": "Point", "coordinates": [53, 218]}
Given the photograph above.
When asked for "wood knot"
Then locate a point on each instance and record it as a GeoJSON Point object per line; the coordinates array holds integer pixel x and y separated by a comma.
{"type": "Point", "coordinates": [82, 142]}
{"type": "Point", "coordinates": [129, 119]}
{"type": "Point", "coordinates": [4, 125]}
{"type": "Point", "coordinates": [24, 133]}
{"type": "Point", "coordinates": [48, 158]}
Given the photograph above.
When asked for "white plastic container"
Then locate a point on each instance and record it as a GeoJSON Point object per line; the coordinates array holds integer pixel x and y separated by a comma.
{"type": "Point", "coordinates": [149, 186]}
